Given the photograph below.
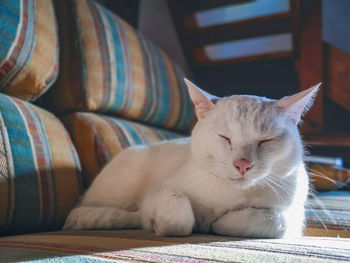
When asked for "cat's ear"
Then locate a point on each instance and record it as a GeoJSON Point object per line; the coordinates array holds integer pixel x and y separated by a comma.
{"type": "Point", "coordinates": [202, 100]}
{"type": "Point", "coordinates": [298, 104]}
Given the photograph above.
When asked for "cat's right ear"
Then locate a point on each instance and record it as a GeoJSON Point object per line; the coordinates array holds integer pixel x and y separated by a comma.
{"type": "Point", "coordinates": [202, 100]}
{"type": "Point", "coordinates": [298, 104]}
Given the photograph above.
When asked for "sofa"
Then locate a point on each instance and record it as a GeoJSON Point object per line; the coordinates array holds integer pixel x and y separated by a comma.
{"type": "Point", "coordinates": [78, 85]}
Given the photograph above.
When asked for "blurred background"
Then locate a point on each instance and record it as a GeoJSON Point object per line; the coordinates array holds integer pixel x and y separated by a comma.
{"type": "Point", "coordinates": [271, 48]}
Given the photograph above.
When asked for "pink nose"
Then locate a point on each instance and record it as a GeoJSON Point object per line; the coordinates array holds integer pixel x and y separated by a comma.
{"type": "Point", "coordinates": [242, 165]}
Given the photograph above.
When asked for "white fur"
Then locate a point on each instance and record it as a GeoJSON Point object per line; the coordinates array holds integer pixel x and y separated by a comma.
{"type": "Point", "coordinates": [184, 185]}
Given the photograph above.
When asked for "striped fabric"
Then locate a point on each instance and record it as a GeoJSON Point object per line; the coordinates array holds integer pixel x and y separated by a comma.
{"type": "Point", "coordinates": [328, 214]}
{"type": "Point", "coordinates": [98, 138]}
{"type": "Point", "coordinates": [107, 67]}
{"type": "Point", "coordinates": [39, 169]}
{"type": "Point", "coordinates": [139, 246]}
{"type": "Point", "coordinates": [28, 47]}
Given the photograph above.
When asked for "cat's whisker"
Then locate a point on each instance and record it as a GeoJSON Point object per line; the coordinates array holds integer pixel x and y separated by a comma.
{"type": "Point", "coordinates": [278, 196]}
{"type": "Point", "coordinates": [317, 216]}
{"type": "Point", "coordinates": [279, 184]}
{"type": "Point", "coordinates": [323, 208]}
{"type": "Point", "coordinates": [261, 184]}
{"type": "Point", "coordinates": [318, 174]}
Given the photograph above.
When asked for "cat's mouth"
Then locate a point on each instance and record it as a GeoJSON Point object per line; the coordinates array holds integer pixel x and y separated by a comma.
{"type": "Point", "coordinates": [242, 182]}
{"type": "Point", "coordinates": [240, 179]}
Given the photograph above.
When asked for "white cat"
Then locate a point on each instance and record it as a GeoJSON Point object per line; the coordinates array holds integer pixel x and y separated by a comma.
{"type": "Point", "coordinates": [240, 174]}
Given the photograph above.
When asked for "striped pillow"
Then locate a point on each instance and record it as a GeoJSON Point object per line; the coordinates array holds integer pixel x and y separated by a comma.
{"type": "Point", "coordinates": [28, 47]}
{"type": "Point", "coordinates": [98, 138]}
{"type": "Point", "coordinates": [106, 66]}
{"type": "Point", "coordinates": [39, 169]}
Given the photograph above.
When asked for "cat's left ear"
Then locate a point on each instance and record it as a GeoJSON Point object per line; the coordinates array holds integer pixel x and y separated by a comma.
{"type": "Point", "coordinates": [298, 104]}
{"type": "Point", "coordinates": [202, 100]}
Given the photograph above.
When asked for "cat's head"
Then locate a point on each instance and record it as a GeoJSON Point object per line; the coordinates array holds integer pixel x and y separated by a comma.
{"type": "Point", "coordinates": [243, 139]}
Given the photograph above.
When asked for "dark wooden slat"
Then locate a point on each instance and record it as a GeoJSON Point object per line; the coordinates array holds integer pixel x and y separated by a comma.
{"type": "Point", "coordinates": [192, 6]}
{"type": "Point", "coordinates": [202, 59]}
{"type": "Point", "coordinates": [337, 67]}
{"type": "Point", "coordinates": [311, 62]}
{"type": "Point", "coordinates": [268, 25]}
{"type": "Point", "coordinates": [327, 140]}
{"type": "Point", "coordinates": [177, 17]}
{"type": "Point", "coordinates": [295, 20]}
{"type": "Point", "coordinates": [190, 22]}
{"type": "Point", "coordinates": [273, 78]}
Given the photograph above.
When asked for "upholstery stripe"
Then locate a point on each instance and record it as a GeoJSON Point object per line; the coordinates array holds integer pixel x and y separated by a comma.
{"type": "Point", "coordinates": [117, 99]}
{"type": "Point", "coordinates": [121, 132]}
{"type": "Point", "coordinates": [110, 62]}
{"type": "Point", "coordinates": [127, 90]}
{"type": "Point", "coordinates": [103, 49]}
{"type": "Point", "coordinates": [150, 80]}
{"type": "Point", "coordinates": [175, 108]}
{"type": "Point", "coordinates": [8, 28]}
{"type": "Point", "coordinates": [6, 178]}
{"type": "Point", "coordinates": [137, 78]}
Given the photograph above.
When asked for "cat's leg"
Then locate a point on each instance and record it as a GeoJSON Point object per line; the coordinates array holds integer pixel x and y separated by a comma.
{"type": "Point", "coordinates": [168, 213]}
{"type": "Point", "coordinates": [90, 217]}
{"type": "Point", "coordinates": [251, 222]}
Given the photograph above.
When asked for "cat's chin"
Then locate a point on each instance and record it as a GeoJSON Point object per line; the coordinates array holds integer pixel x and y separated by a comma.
{"type": "Point", "coordinates": [242, 182]}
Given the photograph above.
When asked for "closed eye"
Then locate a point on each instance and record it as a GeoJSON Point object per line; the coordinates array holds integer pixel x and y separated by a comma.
{"type": "Point", "coordinates": [264, 141]}
{"type": "Point", "coordinates": [226, 139]}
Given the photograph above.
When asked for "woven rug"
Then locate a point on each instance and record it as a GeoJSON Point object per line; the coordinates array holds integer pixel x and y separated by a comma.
{"type": "Point", "coordinates": [327, 217]}
{"type": "Point", "coordinates": [140, 246]}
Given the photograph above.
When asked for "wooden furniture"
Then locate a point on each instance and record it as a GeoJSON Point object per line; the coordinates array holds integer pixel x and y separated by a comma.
{"type": "Point", "coordinates": [312, 60]}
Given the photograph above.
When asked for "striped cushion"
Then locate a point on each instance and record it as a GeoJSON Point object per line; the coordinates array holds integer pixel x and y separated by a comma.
{"type": "Point", "coordinates": [107, 67]}
{"type": "Point", "coordinates": [39, 169]}
{"type": "Point", "coordinates": [28, 47]}
{"type": "Point", "coordinates": [140, 246]}
{"type": "Point", "coordinates": [98, 138]}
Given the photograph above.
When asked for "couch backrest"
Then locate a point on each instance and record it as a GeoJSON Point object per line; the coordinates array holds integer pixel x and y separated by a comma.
{"type": "Point", "coordinates": [107, 67]}
{"type": "Point", "coordinates": [40, 173]}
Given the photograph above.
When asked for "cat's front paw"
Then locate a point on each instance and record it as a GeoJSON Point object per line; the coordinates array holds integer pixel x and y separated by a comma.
{"type": "Point", "coordinates": [168, 213]}
{"type": "Point", "coordinates": [74, 220]}
{"type": "Point", "coordinates": [251, 222]}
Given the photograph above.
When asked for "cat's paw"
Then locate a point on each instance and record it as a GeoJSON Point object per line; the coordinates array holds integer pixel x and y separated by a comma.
{"type": "Point", "coordinates": [75, 220]}
{"type": "Point", "coordinates": [251, 222]}
{"type": "Point", "coordinates": [170, 214]}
